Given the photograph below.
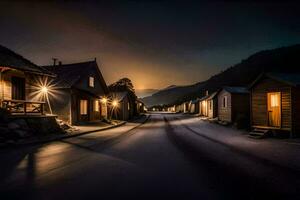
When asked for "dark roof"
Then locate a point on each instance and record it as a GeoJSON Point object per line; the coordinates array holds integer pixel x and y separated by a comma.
{"type": "Point", "coordinates": [69, 74]}
{"type": "Point", "coordinates": [195, 101]}
{"type": "Point", "coordinates": [210, 96]}
{"type": "Point", "coordinates": [292, 79]}
{"type": "Point", "coordinates": [236, 90]}
{"type": "Point", "coordinates": [118, 95]}
{"type": "Point", "coordinates": [8, 58]}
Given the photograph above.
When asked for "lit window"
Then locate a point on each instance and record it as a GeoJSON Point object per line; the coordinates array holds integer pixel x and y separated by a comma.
{"type": "Point", "coordinates": [225, 101]}
{"type": "Point", "coordinates": [91, 81]}
{"type": "Point", "coordinates": [274, 100]}
{"type": "Point", "coordinates": [83, 107]}
{"type": "Point", "coordinates": [96, 106]}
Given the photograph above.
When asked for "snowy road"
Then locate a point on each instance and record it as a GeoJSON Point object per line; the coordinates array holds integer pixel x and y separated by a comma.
{"type": "Point", "coordinates": [169, 156]}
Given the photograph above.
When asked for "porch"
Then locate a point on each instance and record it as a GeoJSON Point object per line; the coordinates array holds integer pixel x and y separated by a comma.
{"type": "Point", "coordinates": [23, 107]}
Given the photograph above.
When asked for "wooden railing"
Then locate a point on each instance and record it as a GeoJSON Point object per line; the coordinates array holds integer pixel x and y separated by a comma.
{"type": "Point", "coordinates": [23, 107]}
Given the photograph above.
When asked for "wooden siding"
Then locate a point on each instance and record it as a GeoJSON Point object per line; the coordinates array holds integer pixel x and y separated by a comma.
{"type": "Point", "coordinates": [296, 110]}
{"type": "Point", "coordinates": [259, 92]}
{"type": "Point", "coordinates": [240, 106]}
{"type": "Point", "coordinates": [224, 113]}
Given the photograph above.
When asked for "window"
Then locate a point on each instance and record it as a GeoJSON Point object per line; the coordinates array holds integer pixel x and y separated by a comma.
{"type": "Point", "coordinates": [91, 81]}
{"type": "Point", "coordinates": [225, 102]}
{"type": "Point", "coordinates": [274, 100]}
{"type": "Point", "coordinates": [83, 107]}
{"type": "Point", "coordinates": [96, 106]}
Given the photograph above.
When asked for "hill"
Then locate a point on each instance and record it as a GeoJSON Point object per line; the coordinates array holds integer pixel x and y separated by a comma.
{"type": "Point", "coordinates": [284, 59]}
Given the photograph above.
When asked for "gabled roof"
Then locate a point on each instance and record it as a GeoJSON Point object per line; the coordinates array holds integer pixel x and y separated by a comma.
{"type": "Point", "coordinates": [8, 58]}
{"type": "Point", "coordinates": [195, 101]}
{"type": "Point", "coordinates": [236, 90]}
{"type": "Point", "coordinates": [287, 78]}
{"type": "Point", "coordinates": [69, 74]}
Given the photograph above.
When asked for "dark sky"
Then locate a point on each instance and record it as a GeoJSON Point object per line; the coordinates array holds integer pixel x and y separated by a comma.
{"type": "Point", "coordinates": [154, 43]}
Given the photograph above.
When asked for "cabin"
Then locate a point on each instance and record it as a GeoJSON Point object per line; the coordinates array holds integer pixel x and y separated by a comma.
{"type": "Point", "coordinates": [208, 105]}
{"type": "Point", "coordinates": [79, 92]}
{"type": "Point", "coordinates": [194, 107]}
{"type": "Point", "coordinates": [275, 103]}
{"type": "Point", "coordinates": [233, 104]}
{"type": "Point", "coordinates": [22, 85]}
{"type": "Point", "coordinates": [185, 107]}
{"type": "Point", "coordinates": [121, 107]}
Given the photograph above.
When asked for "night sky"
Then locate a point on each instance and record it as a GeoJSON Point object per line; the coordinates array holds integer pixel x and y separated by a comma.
{"type": "Point", "coordinates": [154, 43]}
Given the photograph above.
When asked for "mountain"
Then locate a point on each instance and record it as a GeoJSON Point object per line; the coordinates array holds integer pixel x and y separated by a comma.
{"type": "Point", "coordinates": [284, 59]}
{"type": "Point", "coordinates": [141, 93]}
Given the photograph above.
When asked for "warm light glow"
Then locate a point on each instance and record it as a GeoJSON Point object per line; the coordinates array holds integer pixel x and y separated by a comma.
{"type": "Point", "coordinates": [104, 100]}
{"type": "Point", "coordinates": [44, 89]}
{"type": "Point", "coordinates": [115, 103]}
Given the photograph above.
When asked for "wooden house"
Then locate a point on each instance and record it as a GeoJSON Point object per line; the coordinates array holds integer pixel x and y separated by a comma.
{"type": "Point", "coordinates": [80, 92]}
{"type": "Point", "coordinates": [21, 84]}
{"type": "Point", "coordinates": [208, 105]}
{"type": "Point", "coordinates": [121, 106]}
{"type": "Point", "coordinates": [140, 106]}
{"type": "Point", "coordinates": [275, 102]}
{"type": "Point", "coordinates": [194, 108]}
{"type": "Point", "coordinates": [233, 103]}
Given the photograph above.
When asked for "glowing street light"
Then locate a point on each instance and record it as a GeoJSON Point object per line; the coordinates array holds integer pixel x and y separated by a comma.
{"type": "Point", "coordinates": [44, 89]}
{"type": "Point", "coordinates": [115, 103]}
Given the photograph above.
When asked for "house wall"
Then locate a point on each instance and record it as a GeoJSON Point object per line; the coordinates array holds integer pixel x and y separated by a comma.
{"type": "Point", "coordinates": [240, 106]}
{"type": "Point", "coordinates": [224, 113]}
{"type": "Point", "coordinates": [212, 111]}
{"type": "Point", "coordinates": [6, 89]}
{"type": "Point", "coordinates": [204, 108]}
{"type": "Point", "coordinates": [259, 116]}
{"type": "Point", "coordinates": [122, 112]}
{"type": "Point", "coordinates": [296, 110]}
{"type": "Point", "coordinates": [61, 104]}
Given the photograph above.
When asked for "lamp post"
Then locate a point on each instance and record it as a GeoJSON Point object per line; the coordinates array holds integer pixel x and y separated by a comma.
{"type": "Point", "coordinates": [114, 104]}
{"type": "Point", "coordinates": [44, 90]}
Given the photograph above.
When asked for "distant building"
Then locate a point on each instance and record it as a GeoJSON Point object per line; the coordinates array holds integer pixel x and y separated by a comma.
{"type": "Point", "coordinates": [194, 107]}
{"type": "Point", "coordinates": [233, 103]}
{"type": "Point", "coordinates": [140, 107]}
{"type": "Point", "coordinates": [208, 105]}
{"type": "Point", "coordinates": [275, 103]}
{"type": "Point", "coordinates": [124, 107]}
{"type": "Point", "coordinates": [80, 92]}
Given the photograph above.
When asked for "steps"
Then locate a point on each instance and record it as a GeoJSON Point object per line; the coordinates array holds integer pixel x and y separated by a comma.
{"type": "Point", "coordinates": [259, 133]}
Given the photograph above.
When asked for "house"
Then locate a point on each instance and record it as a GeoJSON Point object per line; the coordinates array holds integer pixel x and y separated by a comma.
{"type": "Point", "coordinates": [121, 107]}
{"type": "Point", "coordinates": [233, 103]}
{"type": "Point", "coordinates": [185, 107]}
{"type": "Point", "coordinates": [208, 105]}
{"type": "Point", "coordinates": [21, 84]}
{"type": "Point", "coordinates": [80, 92]}
{"type": "Point", "coordinates": [275, 102]}
{"type": "Point", "coordinates": [194, 108]}
{"type": "Point", "coordinates": [140, 106]}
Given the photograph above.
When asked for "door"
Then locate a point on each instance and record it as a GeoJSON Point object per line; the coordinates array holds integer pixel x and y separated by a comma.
{"type": "Point", "coordinates": [274, 109]}
{"type": "Point", "coordinates": [17, 88]}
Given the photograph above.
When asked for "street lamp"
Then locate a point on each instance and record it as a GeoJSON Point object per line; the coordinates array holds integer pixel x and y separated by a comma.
{"type": "Point", "coordinates": [115, 103]}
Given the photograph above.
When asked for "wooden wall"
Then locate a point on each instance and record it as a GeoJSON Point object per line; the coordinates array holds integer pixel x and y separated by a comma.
{"type": "Point", "coordinates": [259, 116]}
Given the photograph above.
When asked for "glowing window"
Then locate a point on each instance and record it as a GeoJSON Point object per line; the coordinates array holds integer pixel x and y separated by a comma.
{"type": "Point", "coordinates": [274, 100]}
{"type": "Point", "coordinates": [91, 81]}
{"type": "Point", "coordinates": [83, 107]}
{"type": "Point", "coordinates": [96, 106]}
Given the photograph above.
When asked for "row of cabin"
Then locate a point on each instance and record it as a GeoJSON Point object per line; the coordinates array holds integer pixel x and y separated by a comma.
{"type": "Point", "coordinates": [74, 92]}
{"type": "Point", "coordinates": [271, 102]}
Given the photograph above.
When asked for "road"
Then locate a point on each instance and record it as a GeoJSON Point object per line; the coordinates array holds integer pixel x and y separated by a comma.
{"type": "Point", "coordinates": [160, 159]}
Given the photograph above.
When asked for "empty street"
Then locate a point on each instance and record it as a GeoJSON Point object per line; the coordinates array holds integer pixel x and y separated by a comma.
{"type": "Point", "coordinates": [152, 160]}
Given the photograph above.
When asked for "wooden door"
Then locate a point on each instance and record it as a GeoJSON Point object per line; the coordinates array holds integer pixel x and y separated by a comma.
{"type": "Point", "coordinates": [83, 110]}
{"type": "Point", "coordinates": [17, 88]}
{"type": "Point", "coordinates": [274, 109]}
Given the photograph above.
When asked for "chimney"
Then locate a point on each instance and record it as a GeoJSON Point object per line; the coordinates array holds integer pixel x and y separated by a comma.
{"type": "Point", "coordinates": [54, 61]}
{"type": "Point", "coordinates": [59, 63]}
{"type": "Point", "coordinates": [206, 92]}
{"type": "Point", "coordinates": [95, 59]}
